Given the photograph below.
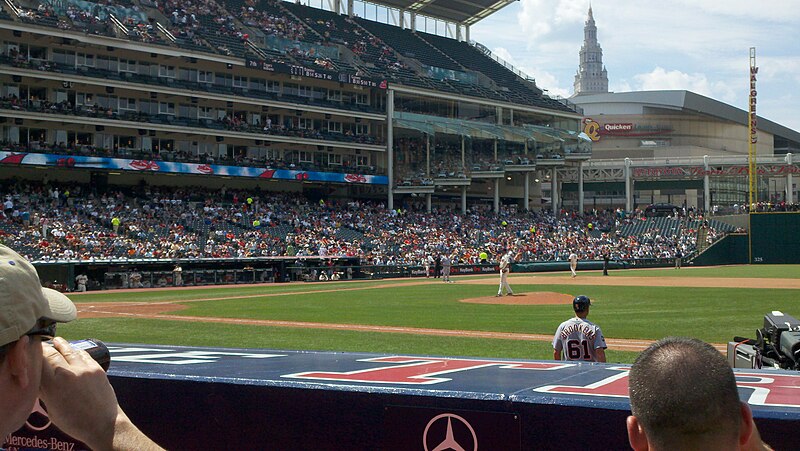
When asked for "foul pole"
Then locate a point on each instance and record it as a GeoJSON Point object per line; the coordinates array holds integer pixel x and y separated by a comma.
{"type": "Point", "coordinates": [753, 122]}
{"type": "Point", "coordinates": [752, 172]}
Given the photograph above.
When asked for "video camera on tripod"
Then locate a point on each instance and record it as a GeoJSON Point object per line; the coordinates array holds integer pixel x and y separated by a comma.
{"type": "Point", "coordinates": [777, 345]}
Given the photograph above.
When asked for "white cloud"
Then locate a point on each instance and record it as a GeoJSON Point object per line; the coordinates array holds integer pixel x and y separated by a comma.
{"type": "Point", "coordinates": [534, 19]}
{"type": "Point", "coordinates": [504, 54]}
{"type": "Point", "coordinates": [539, 17]}
{"type": "Point", "coordinates": [661, 79]}
{"type": "Point", "coordinates": [544, 79]}
{"type": "Point", "coordinates": [696, 45]}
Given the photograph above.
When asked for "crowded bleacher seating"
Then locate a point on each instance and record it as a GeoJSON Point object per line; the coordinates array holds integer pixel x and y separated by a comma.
{"type": "Point", "coordinates": [71, 221]}
{"type": "Point", "coordinates": [227, 28]}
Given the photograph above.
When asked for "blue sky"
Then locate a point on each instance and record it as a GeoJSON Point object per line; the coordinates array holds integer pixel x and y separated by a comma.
{"type": "Point", "coordinates": [696, 45]}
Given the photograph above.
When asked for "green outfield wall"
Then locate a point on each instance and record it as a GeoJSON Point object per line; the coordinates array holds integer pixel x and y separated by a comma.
{"type": "Point", "coordinates": [730, 250]}
{"type": "Point", "coordinates": [775, 237]}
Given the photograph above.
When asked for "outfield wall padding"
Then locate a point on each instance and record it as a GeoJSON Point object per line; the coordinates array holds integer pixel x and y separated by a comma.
{"type": "Point", "coordinates": [775, 237]}
{"type": "Point", "coordinates": [217, 398]}
{"type": "Point", "coordinates": [730, 250]}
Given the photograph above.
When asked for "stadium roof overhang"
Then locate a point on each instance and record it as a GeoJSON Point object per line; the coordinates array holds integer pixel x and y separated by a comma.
{"type": "Point", "coordinates": [466, 12]}
{"type": "Point", "coordinates": [475, 129]}
{"type": "Point", "coordinates": [643, 102]}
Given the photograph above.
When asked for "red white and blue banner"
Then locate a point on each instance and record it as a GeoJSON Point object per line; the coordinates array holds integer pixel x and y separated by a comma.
{"type": "Point", "coordinates": [171, 167]}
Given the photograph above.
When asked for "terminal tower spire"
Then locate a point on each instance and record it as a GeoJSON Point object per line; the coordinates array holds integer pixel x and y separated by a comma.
{"type": "Point", "coordinates": [592, 77]}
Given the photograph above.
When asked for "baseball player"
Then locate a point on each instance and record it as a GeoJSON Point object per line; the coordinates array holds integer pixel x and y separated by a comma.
{"type": "Point", "coordinates": [80, 282]}
{"type": "Point", "coordinates": [573, 263]}
{"type": "Point", "coordinates": [177, 276]}
{"type": "Point", "coordinates": [578, 338]}
{"type": "Point", "coordinates": [446, 263]}
{"type": "Point", "coordinates": [505, 268]}
{"type": "Point", "coordinates": [426, 263]}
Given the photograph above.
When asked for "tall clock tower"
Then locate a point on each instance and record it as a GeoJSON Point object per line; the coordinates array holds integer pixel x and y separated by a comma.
{"type": "Point", "coordinates": [592, 77]}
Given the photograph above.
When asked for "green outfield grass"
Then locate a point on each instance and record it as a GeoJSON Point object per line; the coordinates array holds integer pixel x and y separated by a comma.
{"type": "Point", "coordinates": [711, 314]}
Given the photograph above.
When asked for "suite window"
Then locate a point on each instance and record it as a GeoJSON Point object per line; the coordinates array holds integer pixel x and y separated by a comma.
{"type": "Point", "coordinates": [304, 91]}
{"type": "Point", "coordinates": [166, 71]}
{"type": "Point", "coordinates": [108, 63]}
{"type": "Point", "coordinates": [273, 86]}
{"type": "Point", "coordinates": [85, 59]}
{"type": "Point", "coordinates": [334, 95]}
{"type": "Point", "coordinates": [64, 57]}
{"type": "Point", "coordinates": [125, 142]}
{"type": "Point", "coordinates": [334, 127]}
{"type": "Point", "coordinates": [127, 104]}
{"type": "Point", "coordinates": [127, 66]}
{"type": "Point", "coordinates": [205, 77]}
{"type": "Point", "coordinates": [305, 157]}
{"type": "Point", "coordinates": [305, 123]}
{"type": "Point", "coordinates": [166, 108]}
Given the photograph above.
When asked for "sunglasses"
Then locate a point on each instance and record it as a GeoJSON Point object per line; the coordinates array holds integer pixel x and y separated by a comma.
{"type": "Point", "coordinates": [45, 329]}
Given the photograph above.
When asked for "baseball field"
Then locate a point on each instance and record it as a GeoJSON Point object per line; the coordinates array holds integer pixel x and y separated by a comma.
{"type": "Point", "coordinates": [429, 317]}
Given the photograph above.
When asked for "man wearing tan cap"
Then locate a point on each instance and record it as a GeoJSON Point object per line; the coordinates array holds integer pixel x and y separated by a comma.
{"type": "Point", "coordinates": [79, 398]}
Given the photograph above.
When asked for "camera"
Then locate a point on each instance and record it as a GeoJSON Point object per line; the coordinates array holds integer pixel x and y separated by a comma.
{"type": "Point", "coordinates": [96, 349]}
{"type": "Point", "coordinates": [777, 345]}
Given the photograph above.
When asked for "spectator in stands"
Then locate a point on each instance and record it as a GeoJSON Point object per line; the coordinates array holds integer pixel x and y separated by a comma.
{"type": "Point", "coordinates": [172, 223]}
{"type": "Point", "coordinates": [79, 397]}
{"type": "Point", "coordinates": [683, 396]}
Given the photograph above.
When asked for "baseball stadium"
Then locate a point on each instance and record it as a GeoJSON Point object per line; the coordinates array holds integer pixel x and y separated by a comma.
{"type": "Point", "coordinates": [287, 223]}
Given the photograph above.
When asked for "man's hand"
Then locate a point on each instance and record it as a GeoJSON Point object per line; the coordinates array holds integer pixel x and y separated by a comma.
{"type": "Point", "coordinates": [81, 402]}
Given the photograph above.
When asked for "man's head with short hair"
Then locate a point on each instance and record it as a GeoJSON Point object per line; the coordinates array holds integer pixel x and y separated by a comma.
{"type": "Point", "coordinates": [683, 396]}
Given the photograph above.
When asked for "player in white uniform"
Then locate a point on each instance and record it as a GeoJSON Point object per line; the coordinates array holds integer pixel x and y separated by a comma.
{"type": "Point", "coordinates": [578, 338]}
{"type": "Point", "coordinates": [573, 263]}
{"type": "Point", "coordinates": [427, 261]}
{"type": "Point", "coordinates": [505, 268]}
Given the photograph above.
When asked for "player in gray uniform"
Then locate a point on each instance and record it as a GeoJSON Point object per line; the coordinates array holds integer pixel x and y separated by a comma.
{"type": "Point", "coordinates": [446, 263]}
{"type": "Point", "coordinates": [578, 338]}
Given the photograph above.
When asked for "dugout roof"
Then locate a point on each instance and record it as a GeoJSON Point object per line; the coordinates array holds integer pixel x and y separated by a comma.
{"type": "Point", "coordinates": [465, 12]}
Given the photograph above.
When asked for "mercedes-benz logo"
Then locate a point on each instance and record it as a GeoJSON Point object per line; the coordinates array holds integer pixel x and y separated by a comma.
{"type": "Point", "coordinates": [449, 441]}
{"type": "Point", "coordinates": [40, 415]}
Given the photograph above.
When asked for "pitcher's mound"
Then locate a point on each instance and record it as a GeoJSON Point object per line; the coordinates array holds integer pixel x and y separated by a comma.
{"type": "Point", "coordinates": [535, 298]}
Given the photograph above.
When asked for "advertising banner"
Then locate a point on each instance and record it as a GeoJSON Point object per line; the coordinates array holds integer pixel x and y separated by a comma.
{"type": "Point", "coordinates": [171, 167]}
{"type": "Point", "coordinates": [319, 74]}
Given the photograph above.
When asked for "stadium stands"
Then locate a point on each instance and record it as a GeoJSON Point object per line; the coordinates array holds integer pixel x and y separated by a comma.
{"type": "Point", "coordinates": [65, 222]}
{"type": "Point", "coordinates": [244, 84]}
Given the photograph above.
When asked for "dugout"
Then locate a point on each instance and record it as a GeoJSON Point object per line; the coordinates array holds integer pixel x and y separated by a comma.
{"type": "Point", "coordinates": [116, 274]}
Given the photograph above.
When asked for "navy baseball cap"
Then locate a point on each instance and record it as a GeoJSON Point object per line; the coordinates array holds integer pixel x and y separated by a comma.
{"type": "Point", "coordinates": [581, 303]}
